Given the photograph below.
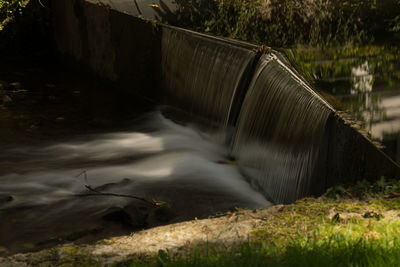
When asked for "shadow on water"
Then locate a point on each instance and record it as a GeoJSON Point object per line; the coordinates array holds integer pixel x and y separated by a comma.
{"type": "Point", "coordinates": [43, 200]}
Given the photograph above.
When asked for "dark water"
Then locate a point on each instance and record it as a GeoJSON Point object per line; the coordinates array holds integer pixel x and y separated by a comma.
{"type": "Point", "coordinates": [157, 159]}
{"type": "Point", "coordinates": [43, 198]}
{"type": "Point", "coordinates": [365, 82]}
{"type": "Point", "coordinates": [60, 124]}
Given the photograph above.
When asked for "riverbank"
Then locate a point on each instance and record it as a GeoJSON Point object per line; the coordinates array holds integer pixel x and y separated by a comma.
{"type": "Point", "coordinates": [362, 219]}
{"type": "Point", "coordinates": [348, 225]}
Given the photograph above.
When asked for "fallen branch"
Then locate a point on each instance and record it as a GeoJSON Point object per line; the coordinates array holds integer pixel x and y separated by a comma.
{"type": "Point", "coordinates": [99, 193]}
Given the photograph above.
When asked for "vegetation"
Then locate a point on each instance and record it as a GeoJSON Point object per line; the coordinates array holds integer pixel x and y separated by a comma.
{"type": "Point", "coordinates": [347, 49]}
{"type": "Point", "coordinates": [332, 70]}
{"type": "Point", "coordinates": [349, 226]}
{"type": "Point", "coordinates": [24, 27]}
{"type": "Point", "coordinates": [317, 22]}
{"type": "Point", "coordinates": [8, 9]}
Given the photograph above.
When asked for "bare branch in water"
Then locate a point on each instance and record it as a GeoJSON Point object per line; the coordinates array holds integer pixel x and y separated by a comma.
{"type": "Point", "coordinates": [99, 193]}
{"type": "Point", "coordinates": [40, 2]}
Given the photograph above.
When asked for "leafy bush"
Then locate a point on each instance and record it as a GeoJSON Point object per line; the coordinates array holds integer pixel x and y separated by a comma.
{"type": "Point", "coordinates": [8, 8]}
{"type": "Point", "coordinates": [284, 23]}
{"type": "Point", "coordinates": [24, 27]}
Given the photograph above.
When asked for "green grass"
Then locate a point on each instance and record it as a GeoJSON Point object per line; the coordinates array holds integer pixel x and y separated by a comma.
{"type": "Point", "coordinates": [351, 225]}
{"type": "Point", "coordinates": [335, 251]}
{"type": "Point", "coordinates": [354, 225]}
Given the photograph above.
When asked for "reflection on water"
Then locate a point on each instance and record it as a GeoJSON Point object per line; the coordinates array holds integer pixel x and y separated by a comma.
{"type": "Point", "coordinates": [362, 79]}
{"type": "Point", "coordinates": [365, 82]}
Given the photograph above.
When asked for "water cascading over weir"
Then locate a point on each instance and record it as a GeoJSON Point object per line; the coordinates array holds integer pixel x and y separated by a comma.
{"type": "Point", "coordinates": [280, 131]}
{"type": "Point", "coordinates": [202, 76]}
{"type": "Point", "coordinates": [287, 140]}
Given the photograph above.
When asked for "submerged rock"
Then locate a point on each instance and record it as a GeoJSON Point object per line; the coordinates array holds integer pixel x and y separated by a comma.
{"type": "Point", "coordinates": [161, 215]}
{"type": "Point", "coordinates": [118, 215]}
{"type": "Point", "coordinates": [7, 198]}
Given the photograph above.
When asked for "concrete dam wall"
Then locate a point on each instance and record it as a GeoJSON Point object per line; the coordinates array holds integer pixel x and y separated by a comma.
{"type": "Point", "coordinates": [288, 141]}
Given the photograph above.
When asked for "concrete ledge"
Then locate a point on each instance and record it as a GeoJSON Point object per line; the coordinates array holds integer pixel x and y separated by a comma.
{"type": "Point", "coordinates": [121, 48]}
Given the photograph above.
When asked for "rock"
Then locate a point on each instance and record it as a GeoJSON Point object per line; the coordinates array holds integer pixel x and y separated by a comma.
{"type": "Point", "coordinates": [7, 198]}
{"type": "Point", "coordinates": [118, 215]}
{"type": "Point", "coordinates": [161, 215]}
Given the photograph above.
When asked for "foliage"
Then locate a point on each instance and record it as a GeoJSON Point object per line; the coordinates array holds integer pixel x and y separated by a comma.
{"type": "Point", "coordinates": [290, 22]}
{"type": "Point", "coordinates": [9, 8]}
{"type": "Point", "coordinates": [24, 27]}
{"type": "Point", "coordinates": [334, 70]}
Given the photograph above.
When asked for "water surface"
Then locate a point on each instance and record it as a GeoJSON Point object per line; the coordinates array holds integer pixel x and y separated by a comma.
{"type": "Point", "coordinates": [363, 81]}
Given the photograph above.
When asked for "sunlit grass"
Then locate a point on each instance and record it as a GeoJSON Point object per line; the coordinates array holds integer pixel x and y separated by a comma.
{"type": "Point", "coordinates": [357, 225]}
{"type": "Point", "coordinates": [335, 251]}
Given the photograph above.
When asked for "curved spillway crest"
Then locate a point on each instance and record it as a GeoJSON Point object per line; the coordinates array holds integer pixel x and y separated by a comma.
{"type": "Point", "coordinates": [280, 130]}
{"type": "Point", "coordinates": [201, 76]}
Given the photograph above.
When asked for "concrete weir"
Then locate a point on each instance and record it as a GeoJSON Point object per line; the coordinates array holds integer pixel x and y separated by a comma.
{"type": "Point", "coordinates": [289, 142]}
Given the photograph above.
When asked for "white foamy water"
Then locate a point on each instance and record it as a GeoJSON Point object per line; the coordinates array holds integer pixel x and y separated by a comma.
{"type": "Point", "coordinates": [160, 160]}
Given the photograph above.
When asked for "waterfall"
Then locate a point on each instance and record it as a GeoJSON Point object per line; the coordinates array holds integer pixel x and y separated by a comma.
{"type": "Point", "coordinates": [279, 132]}
{"type": "Point", "coordinates": [279, 124]}
{"type": "Point", "coordinates": [201, 75]}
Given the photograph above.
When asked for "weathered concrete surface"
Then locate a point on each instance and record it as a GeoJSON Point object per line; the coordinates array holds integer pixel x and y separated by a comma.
{"type": "Point", "coordinates": [118, 47]}
{"type": "Point", "coordinates": [352, 156]}
{"type": "Point", "coordinates": [149, 9]}
{"type": "Point", "coordinates": [127, 51]}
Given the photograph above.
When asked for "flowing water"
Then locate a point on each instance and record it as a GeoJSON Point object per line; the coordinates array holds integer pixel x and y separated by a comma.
{"type": "Point", "coordinates": [280, 129]}
{"type": "Point", "coordinates": [282, 120]}
{"type": "Point", "coordinates": [202, 76]}
{"type": "Point", "coordinates": [84, 188]}
{"type": "Point", "coordinates": [158, 160]}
